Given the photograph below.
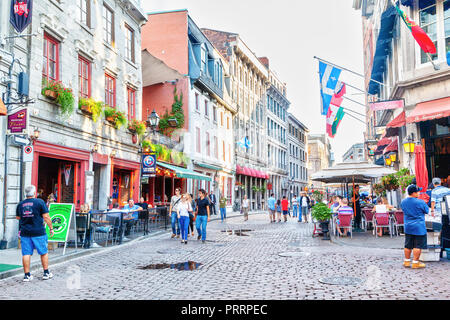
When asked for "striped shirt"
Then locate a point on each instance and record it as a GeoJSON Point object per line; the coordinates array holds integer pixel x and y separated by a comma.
{"type": "Point", "coordinates": [345, 210]}
{"type": "Point", "coordinates": [437, 195]}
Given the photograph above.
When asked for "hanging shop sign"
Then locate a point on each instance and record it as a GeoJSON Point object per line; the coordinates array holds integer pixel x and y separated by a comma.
{"type": "Point", "coordinates": [18, 122]}
{"type": "Point", "coordinates": [387, 105]}
{"type": "Point", "coordinates": [21, 13]}
{"type": "Point", "coordinates": [148, 167]}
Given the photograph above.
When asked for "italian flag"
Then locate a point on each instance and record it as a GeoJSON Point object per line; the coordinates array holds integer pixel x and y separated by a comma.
{"type": "Point", "coordinates": [334, 118]}
{"type": "Point", "coordinates": [421, 37]}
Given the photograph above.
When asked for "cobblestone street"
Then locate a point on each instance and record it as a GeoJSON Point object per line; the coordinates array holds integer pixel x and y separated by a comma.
{"type": "Point", "coordinates": [237, 268]}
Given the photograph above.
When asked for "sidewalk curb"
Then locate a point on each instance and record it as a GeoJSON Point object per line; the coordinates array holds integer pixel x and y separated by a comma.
{"type": "Point", "coordinates": [36, 266]}
{"type": "Point", "coordinates": [335, 241]}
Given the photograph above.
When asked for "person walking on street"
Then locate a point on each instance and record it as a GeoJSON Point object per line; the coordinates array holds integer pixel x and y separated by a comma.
{"type": "Point", "coordinates": [213, 200]}
{"type": "Point", "coordinates": [306, 204]}
{"type": "Point", "coordinates": [223, 208]}
{"type": "Point", "coordinates": [437, 196]}
{"type": "Point", "coordinates": [285, 208]}
{"type": "Point", "coordinates": [415, 230]}
{"type": "Point", "coordinates": [174, 202]}
{"type": "Point", "coordinates": [295, 206]}
{"type": "Point", "coordinates": [279, 210]}
{"type": "Point", "coordinates": [245, 207]}
{"type": "Point", "coordinates": [191, 214]}
{"type": "Point", "coordinates": [32, 213]}
{"type": "Point", "coordinates": [202, 215]}
{"type": "Point", "coordinates": [183, 216]}
{"type": "Point", "coordinates": [271, 203]}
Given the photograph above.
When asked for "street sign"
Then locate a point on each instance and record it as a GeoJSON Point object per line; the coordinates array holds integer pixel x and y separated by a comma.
{"type": "Point", "coordinates": [148, 165]}
{"type": "Point", "coordinates": [21, 141]}
{"type": "Point", "coordinates": [18, 122]}
{"type": "Point", "coordinates": [28, 154]}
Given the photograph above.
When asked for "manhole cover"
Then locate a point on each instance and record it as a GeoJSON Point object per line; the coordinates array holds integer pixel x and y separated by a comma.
{"type": "Point", "coordinates": [238, 232]}
{"type": "Point", "coordinates": [174, 251]}
{"type": "Point", "coordinates": [341, 281]}
{"type": "Point", "coordinates": [293, 254]}
{"type": "Point", "coordinates": [184, 266]}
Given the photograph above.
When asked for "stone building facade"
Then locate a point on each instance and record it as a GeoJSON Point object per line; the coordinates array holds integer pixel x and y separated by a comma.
{"type": "Point", "coordinates": [298, 156]}
{"type": "Point", "coordinates": [93, 48]}
{"type": "Point", "coordinates": [319, 157]}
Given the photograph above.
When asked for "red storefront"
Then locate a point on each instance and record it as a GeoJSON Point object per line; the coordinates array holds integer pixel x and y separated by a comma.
{"type": "Point", "coordinates": [60, 171]}
{"type": "Point", "coordinates": [125, 180]}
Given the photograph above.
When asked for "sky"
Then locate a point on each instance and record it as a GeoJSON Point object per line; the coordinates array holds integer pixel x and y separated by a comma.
{"type": "Point", "coordinates": [290, 33]}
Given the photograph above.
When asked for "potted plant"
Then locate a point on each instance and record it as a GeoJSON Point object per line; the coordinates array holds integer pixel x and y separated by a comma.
{"type": "Point", "coordinates": [322, 214]}
{"type": "Point", "coordinates": [91, 107]}
{"type": "Point", "coordinates": [62, 95]}
{"type": "Point", "coordinates": [137, 127]}
{"type": "Point", "coordinates": [115, 117]}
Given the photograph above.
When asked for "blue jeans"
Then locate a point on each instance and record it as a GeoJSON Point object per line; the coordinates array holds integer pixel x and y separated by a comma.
{"type": "Point", "coordinates": [295, 210]}
{"type": "Point", "coordinates": [305, 214]}
{"type": "Point", "coordinates": [200, 224]}
{"type": "Point", "coordinates": [223, 213]}
{"type": "Point", "coordinates": [175, 224]}
{"type": "Point", "coordinates": [184, 225]}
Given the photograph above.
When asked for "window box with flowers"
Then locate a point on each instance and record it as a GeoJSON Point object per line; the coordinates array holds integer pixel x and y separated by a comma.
{"type": "Point", "coordinates": [91, 107]}
{"type": "Point", "coordinates": [63, 96]}
{"type": "Point", "coordinates": [137, 127]}
{"type": "Point", "coordinates": [115, 117]}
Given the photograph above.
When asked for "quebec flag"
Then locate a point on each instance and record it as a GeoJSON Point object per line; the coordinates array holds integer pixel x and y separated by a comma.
{"type": "Point", "coordinates": [244, 143]}
{"type": "Point", "coordinates": [329, 78]}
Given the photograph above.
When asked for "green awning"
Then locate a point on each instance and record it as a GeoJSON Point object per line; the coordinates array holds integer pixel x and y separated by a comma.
{"type": "Point", "coordinates": [185, 173]}
{"type": "Point", "coordinates": [208, 166]}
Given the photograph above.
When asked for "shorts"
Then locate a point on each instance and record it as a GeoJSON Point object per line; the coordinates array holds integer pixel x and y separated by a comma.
{"type": "Point", "coordinates": [415, 242]}
{"type": "Point", "coordinates": [271, 212]}
{"type": "Point", "coordinates": [285, 212]}
{"type": "Point", "coordinates": [30, 243]}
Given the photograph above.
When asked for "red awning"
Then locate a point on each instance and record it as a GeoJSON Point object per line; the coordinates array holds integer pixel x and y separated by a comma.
{"type": "Point", "coordinates": [393, 147]}
{"type": "Point", "coordinates": [384, 142]}
{"type": "Point", "coordinates": [250, 172]}
{"type": "Point", "coordinates": [398, 122]}
{"type": "Point", "coordinates": [430, 110]}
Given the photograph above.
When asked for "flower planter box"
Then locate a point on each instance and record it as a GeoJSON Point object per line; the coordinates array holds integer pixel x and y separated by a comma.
{"type": "Point", "coordinates": [86, 109]}
{"type": "Point", "coordinates": [132, 130]}
{"type": "Point", "coordinates": [110, 120]}
{"type": "Point", "coordinates": [51, 94]}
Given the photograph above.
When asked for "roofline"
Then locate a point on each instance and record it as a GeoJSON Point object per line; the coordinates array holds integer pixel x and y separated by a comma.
{"type": "Point", "coordinates": [215, 30]}
{"type": "Point", "coordinates": [167, 11]}
{"type": "Point", "coordinates": [290, 115]}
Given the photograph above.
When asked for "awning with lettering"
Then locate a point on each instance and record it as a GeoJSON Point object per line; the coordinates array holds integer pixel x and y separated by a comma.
{"type": "Point", "coordinates": [430, 110]}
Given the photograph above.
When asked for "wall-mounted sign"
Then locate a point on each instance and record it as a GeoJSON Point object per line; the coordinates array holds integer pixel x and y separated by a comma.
{"type": "Point", "coordinates": [28, 154]}
{"type": "Point", "coordinates": [387, 105]}
{"type": "Point", "coordinates": [18, 122]}
{"type": "Point", "coordinates": [148, 165]}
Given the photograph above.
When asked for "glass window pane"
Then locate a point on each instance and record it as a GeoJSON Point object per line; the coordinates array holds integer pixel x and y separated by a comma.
{"type": "Point", "coordinates": [428, 15]}
{"type": "Point", "coordinates": [447, 27]}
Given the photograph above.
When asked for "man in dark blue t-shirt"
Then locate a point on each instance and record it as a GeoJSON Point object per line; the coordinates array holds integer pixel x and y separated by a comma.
{"type": "Point", "coordinates": [414, 210]}
{"type": "Point", "coordinates": [202, 215]}
{"type": "Point", "coordinates": [31, 214]}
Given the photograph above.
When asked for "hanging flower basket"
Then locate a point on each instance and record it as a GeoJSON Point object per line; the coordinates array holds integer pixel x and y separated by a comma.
{"type": "Point", "coordinates": [116, 118]}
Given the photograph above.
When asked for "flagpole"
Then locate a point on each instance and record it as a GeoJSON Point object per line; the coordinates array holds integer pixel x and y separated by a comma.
{"type": "Point", "coordinates": [364, 91]}
{"type": "Point", "coordinates": [363, 105]}
{"type": "Point", "coordinates": [354, 116]}
{"type": "Point", "coordinates": [351, 71]}
{"type": "Point", "coordinates": [360, 114]}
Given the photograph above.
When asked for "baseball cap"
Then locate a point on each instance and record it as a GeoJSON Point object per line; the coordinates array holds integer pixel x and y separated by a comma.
{"type": "Point", "coordinates": [413, 189]}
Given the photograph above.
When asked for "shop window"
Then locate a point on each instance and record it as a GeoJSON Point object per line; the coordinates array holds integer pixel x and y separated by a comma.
{"type": "Point", "coordinates": [122, 186]}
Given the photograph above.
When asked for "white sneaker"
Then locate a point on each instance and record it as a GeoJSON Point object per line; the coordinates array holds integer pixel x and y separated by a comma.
{"type": "Point", "coordinates": [27, 278]}
{"type": "Point", "coordinates": [95, 245]}
{"type": "Point", "coordinates": [47, 276]}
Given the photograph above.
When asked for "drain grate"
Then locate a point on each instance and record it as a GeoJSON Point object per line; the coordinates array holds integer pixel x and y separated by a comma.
{"type": "Point", "coordinates": [341, 281]}
{"type": "Point", "coordinates": [184, 266]}
{"type": "Point", "coordinates": [294, 254]}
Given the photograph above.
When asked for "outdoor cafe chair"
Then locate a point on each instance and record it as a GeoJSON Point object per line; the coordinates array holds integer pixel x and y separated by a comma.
{"type": "Point", "coordinates": [367, 217]}
{"type": "Point", "coordinates": [81, 221]}
{"type": "Point", "coordinates": [382, 220]}
{"type": "Point", "coordinates": [399, 221]}
{"type": "Point", "coordinates": [104, 227]}
{"type": "Point", "coordinates": [345, 222]}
